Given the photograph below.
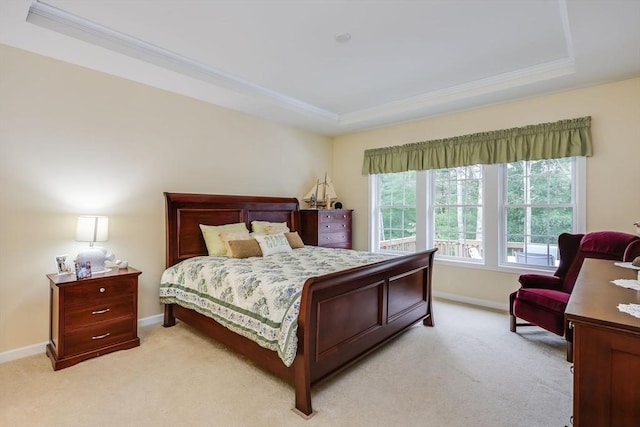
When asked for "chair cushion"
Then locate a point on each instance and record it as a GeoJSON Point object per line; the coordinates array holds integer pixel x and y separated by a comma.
{"type": "Point", "coordinates": [547, 298]}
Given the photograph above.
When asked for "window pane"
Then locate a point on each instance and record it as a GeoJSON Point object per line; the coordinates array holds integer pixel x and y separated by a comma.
{"type": "Point", "coordinates": [397, 211]}
{"type": "Point", "coordinates": [539, 207]}
{"type": "Point", "coordinates": [458, 212]}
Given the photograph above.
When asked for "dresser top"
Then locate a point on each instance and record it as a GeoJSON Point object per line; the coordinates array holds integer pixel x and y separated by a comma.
{"type": "Point", "coordinates": [595, 299]}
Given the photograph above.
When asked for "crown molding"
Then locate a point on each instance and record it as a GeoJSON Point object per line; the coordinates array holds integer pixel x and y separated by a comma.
{"type": "Point", "coordinates": [60, 21]}
{"type": "Point", "coordinates": [500, 82]}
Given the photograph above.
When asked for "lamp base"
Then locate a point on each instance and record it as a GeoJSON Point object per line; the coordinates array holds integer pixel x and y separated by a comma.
{"type": "Point", "coordinates": [97, 257]}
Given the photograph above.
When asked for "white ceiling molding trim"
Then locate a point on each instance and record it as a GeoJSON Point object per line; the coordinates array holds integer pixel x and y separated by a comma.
{"type": "Point", "coordinates": [510, 80]}
{"type": "Point", "coordinates": [60, 21]}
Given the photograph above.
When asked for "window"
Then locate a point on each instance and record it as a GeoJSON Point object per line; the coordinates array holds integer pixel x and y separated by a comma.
{"type": "Point", "coordinates": [494, 215]}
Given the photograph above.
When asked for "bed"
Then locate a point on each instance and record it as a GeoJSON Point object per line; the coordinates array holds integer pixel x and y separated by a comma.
{"type": "Point", "coordinates": [343, 316]}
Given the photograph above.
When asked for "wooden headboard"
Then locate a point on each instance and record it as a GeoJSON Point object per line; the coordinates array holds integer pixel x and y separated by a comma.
{"type": "Point", "coordinates": [185, 212]}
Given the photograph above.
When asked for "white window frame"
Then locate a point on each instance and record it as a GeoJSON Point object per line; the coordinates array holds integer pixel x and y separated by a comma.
{"type": "Point", "coordinates": [493, 207]}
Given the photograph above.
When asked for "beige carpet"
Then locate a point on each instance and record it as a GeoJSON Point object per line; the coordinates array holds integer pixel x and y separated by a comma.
{"type": "Point", "coordinates": [468, 370]}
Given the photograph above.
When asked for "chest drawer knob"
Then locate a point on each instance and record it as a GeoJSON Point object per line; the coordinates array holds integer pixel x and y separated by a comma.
{"type": "Point", "coordinates": [99, 337]}
{"type": "Point", "coordinates": [102, 290]}
{"type": "Point", "coordinates": [106, 310]}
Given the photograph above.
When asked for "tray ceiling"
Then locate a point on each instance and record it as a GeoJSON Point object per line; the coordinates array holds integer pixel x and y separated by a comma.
{"type": "Point", "coordinates": [289, 61]}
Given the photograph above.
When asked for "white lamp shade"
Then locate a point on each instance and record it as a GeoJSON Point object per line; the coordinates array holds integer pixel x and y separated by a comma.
{"type": "Point", "coordinates": [92, 229]}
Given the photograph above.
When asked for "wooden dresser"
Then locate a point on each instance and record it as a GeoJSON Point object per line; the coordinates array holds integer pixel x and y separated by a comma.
{"type": "Point", "coordinates": [606, 355]}
{"type": "Point", "coordinates": [93, 316]}
{"type": "Point", "coordinates": [326, 227]}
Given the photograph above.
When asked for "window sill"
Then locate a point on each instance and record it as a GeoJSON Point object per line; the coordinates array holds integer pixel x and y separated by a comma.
{"type": "Point", "coordinates": [479, 265]}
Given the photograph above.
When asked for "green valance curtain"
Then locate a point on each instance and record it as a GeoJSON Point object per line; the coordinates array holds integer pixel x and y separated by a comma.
{"type": "Point", "coordinates": [565, 138]}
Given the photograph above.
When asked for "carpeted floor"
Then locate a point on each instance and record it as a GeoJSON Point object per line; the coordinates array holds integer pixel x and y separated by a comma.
{"type": "Point", "coordinates": [469, 370]}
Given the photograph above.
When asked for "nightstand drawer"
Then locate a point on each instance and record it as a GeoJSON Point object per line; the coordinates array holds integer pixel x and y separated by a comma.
{"type": "Point", "coordinates": [97, 290]}
{"type": "Point", "coordinates": [84, 315]}
{"type": "Point", "coordinates": [98, 336]}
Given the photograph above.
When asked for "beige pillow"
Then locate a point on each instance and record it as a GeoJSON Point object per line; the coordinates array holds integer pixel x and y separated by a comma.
{"type": "Point", "coordinates": [211, 235]}
{"type": "Point", "coordinates": [243, 248]}
{"type": "Point", "coordinates": [272, 243]}
{"type": "Point", "coordinates": [266, 227]}
{"type": "Point", "coordinates": [294, 240]}
{"type": "Point", "coordinates": [234, 235]}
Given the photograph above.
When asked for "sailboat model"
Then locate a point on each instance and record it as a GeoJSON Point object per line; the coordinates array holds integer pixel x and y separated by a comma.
{"type": "Point", "coordinates": [321, 195]}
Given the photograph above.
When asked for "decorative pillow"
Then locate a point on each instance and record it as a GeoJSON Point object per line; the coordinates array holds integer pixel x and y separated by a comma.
{"type": "Point", "coordinates": [273, 243]}
{"type": "Point", "coordinates": [266, 227]}
{"type": "Point", "coordinates": [294, 240]}
{"type": "Point", "coordinates": [211, 234]}
{"type": "Point", "coordinates": [234, 235]}
{"type": "Point", "coordinates": [243, 248]}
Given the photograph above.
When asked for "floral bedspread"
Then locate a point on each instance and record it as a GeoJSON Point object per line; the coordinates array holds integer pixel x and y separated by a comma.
{"type": "Point", "coordinates": [259, 297]}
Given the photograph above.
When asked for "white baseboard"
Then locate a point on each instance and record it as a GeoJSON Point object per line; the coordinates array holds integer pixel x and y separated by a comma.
{"type": "Point", "coordinates": [19, 353]}
{"type": "Point", "coordinates": [473, 301]}
{"type": "Point", "coordinates": [151, 320]}
{"type": "Point", "coordinates": [30, 350]}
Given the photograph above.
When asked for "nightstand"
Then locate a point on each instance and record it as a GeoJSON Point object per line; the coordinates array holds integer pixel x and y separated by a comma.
{"type": "Point", "coordinates": [91, 317]}
{"type": "Point", "coordinates": [330, 228]}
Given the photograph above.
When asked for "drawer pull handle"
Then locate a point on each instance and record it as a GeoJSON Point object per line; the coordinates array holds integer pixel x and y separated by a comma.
{"type": "Point", "coordinates": [106, 310]}
{"type": "Point", "coordinates": [99, 337]}
{"type": "Point", "coordinates": [102, 290]}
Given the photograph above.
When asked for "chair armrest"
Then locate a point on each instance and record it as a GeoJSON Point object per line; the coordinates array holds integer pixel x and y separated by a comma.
{"type": "Point", "coordinates": [543, 281]}
{"type": "Point", "coordinates": [632, 251]}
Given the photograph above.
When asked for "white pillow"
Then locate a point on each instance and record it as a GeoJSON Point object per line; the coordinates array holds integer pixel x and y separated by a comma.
{"type": "Point", "coordinates": [266, 227]}
{"type": "Point", "coordinates": [211, 235]}
{"type": "Point", "coordinates": [272, 243]}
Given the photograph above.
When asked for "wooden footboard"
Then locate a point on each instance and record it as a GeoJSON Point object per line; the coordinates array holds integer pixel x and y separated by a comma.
{"type": "Point", "coordinates": [346, 315]}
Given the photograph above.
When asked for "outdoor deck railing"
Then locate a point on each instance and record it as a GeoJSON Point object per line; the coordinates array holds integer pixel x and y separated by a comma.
{"type": "Point", "coordinates": [466, 249]}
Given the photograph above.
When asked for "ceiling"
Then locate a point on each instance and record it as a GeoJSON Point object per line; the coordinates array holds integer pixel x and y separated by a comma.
{"type": "Point", "coordinates": [287, 60]}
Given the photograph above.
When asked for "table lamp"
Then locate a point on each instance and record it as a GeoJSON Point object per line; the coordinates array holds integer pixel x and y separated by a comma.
{"type": "Point", "coordinates": [94, 229]}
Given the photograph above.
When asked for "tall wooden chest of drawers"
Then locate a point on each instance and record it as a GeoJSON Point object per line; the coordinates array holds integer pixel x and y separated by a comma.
{"type": "Point", "coordinates": [93, 316]}
{"type": "Point", "coordinates": [326, 227]}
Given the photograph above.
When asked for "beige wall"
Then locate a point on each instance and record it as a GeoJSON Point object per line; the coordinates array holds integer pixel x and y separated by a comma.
{"type": "Point", "coordinates": [613, 197]}
{"type": "Point", "coordinates": [75, 141]}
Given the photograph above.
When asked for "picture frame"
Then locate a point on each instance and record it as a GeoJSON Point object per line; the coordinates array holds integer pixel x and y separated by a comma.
{"type": "Point", "coordinates": [63, 264]}
{"type": "Point", "coordinates": [83, 269]}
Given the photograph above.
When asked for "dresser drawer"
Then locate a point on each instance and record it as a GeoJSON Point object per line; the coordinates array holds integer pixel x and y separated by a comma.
{"type": "Point", "coordinates": [100, 335]}
{"type": "Point", "coordinates": [84, 315]}
{"type": "Point", "coordinates": [333, 227]}
{"type": "Point", "coordinates": [98, 290]}
{"type": "Point", "coordinates": [334, 239]}
{"type": "Point", "coordinates": [333, 216]}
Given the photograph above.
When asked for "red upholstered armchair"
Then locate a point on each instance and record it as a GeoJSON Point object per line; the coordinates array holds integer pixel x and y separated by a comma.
{"type": "Point", "coordinates": [542, 299]}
